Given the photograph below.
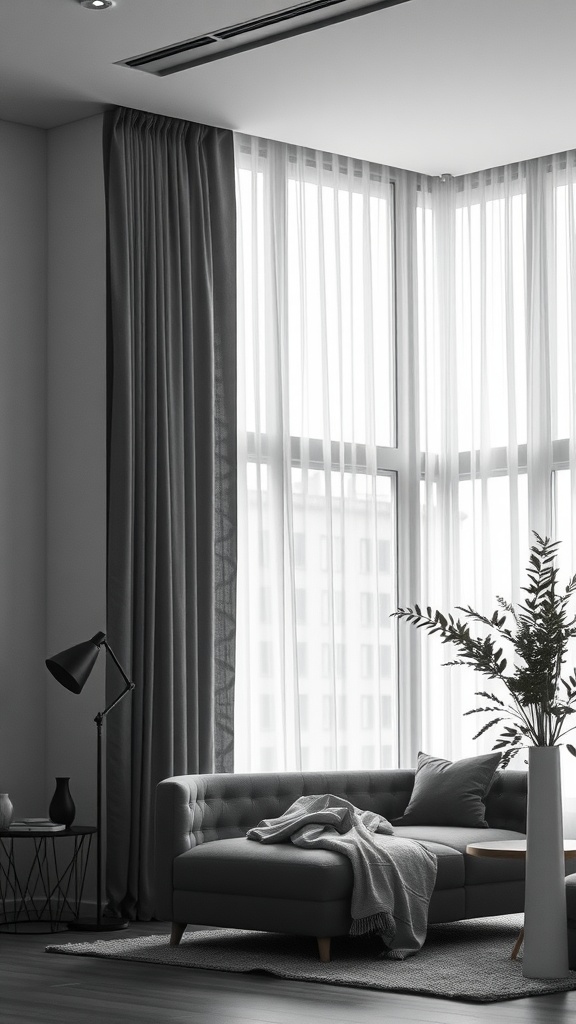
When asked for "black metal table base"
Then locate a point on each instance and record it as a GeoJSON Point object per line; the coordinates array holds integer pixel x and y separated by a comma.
{"type": "Point", "coordinates": [43, 893]}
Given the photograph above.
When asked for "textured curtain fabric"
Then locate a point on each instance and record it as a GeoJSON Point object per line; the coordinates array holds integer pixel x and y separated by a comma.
{"type": "Point", "coordinates": [172, 472]}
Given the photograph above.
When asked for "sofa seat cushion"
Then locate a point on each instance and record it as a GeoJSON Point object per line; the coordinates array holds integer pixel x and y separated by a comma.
{"type": "Point", "coordinates": [477, 870]}
{"type": "Point", "coordinates": [284, 871]}
{"type": "Point", "coordinates": [280, 870]}
{"type": "Point", "coordinates": [450, 864]}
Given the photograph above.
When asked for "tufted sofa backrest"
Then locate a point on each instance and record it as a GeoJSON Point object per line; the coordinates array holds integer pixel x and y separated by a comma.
{"type": "Point", "coordinates": [507, 801]}
{"type": "Point", "coordinates": [226, 806]}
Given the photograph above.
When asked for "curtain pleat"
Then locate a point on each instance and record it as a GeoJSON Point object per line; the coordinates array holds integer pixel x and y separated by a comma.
{"type": "Point", "coordinates": [172, 472]}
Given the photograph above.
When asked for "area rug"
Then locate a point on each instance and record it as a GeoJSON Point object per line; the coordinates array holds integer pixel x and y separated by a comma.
{"type": "Point", "coordinates": [467, 960]}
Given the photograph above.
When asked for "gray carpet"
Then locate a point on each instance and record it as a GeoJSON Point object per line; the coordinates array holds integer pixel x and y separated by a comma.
{"type": "Point", "coordinates": [468, 960]}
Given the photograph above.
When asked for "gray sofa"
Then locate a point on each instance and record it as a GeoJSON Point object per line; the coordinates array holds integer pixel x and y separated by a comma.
{"type": "Point", "coordinates": [208, 873]}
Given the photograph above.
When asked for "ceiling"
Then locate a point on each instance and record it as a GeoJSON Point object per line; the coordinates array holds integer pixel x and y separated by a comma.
{"type": "Point", "coordinates": [439, 86]}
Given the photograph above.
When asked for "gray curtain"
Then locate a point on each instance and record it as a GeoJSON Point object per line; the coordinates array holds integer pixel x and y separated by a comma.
{"type": "Point", "coordinates": [171, 472]}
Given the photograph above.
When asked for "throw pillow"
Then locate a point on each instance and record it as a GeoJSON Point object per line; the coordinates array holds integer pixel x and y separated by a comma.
{"type": "Point", "coordinates": [450, 792]}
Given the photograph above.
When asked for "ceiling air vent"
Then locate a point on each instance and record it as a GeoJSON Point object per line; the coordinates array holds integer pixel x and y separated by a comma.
{"type": "Point", "coordinates": [269, 28]}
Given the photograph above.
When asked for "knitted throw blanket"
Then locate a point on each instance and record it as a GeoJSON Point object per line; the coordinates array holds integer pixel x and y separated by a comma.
{"type": "Point", "coordinates": [393, 877]}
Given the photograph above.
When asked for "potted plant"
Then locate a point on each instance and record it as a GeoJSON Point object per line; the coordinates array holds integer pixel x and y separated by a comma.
{"type": "Point", "coordinates": [540, 700]}
{"type": "Point", "coordinates": [533, 710]}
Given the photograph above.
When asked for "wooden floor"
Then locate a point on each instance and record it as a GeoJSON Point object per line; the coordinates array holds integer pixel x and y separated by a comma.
{"type": "Point", "coordinates": [42, 988]}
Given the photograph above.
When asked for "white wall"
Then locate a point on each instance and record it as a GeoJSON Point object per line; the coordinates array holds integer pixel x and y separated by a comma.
{"type": "Point", "coordinates": [52, 453]}
{"type": "Point", "coordinates": [22, 464]}
{"type": "Point", "coordinates": [76, 448]}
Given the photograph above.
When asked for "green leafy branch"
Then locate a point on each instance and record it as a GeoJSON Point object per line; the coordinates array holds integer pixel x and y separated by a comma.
{"type": "Point", "coordinates": [541, 699]}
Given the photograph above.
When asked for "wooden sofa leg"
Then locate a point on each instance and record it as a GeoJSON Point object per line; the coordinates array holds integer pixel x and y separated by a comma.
{"type": "Point", "coordinates": [177, 932]}
{"type": "Point", "coordinates": [324, 950]}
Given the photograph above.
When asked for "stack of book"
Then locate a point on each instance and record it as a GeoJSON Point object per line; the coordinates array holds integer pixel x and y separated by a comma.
{"type": "Point", "coordinates": [36, 825]}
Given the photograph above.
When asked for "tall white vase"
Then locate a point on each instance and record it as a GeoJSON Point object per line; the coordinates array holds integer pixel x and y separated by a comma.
{"type": "Point", "coordinates": [545, 931]}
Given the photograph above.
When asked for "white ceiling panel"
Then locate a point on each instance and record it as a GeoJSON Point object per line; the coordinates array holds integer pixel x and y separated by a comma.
{"type": "Point", "coordinates": [440, 86]}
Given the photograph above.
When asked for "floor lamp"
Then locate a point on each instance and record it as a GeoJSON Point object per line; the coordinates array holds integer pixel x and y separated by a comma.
{"type": "Point", "coordinates": [71, 668]}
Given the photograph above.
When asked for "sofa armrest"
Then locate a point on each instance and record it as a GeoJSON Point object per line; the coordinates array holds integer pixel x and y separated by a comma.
{"type": "Point", "coordinates": [175, 800]}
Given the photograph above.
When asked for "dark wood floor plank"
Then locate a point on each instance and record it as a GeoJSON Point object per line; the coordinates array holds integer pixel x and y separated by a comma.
{"type": "Point", "coordinates": [41, 988]}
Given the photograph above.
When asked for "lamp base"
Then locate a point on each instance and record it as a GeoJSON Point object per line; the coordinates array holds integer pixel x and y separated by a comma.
{"type": "Point", "coordinates": [88, 924]}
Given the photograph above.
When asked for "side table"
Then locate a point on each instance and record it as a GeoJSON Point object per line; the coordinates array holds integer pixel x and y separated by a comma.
{"type": "Point", "coordinates": [516, 848]}
{"type": "Point", "coordinates": [42, 877]}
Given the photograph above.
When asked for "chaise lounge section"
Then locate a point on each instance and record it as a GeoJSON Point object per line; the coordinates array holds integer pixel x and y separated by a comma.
{"type": "Point", "coordinates": [208, 873]}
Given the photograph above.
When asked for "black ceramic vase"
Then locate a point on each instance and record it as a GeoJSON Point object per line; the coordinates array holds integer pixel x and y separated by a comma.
{"type": "Point", "coordinates": [62, 809]}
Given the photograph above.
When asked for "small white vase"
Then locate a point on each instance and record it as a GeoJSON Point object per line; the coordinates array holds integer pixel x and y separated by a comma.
{"type": "Point", "coordinates": [545, 929]}
{"type": "Point", "coordinates": [6, 810]}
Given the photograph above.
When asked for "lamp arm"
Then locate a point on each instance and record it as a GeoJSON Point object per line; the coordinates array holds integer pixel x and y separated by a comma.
{"type": "Point", "coordinates": [129, 685]}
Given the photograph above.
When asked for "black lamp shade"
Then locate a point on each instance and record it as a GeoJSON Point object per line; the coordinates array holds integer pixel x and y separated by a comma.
{"type": "Point", "coordinates": [72, 667]}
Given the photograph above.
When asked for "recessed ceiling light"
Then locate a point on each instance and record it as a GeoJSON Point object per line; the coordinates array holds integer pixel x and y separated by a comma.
{"type": "Point", "coordinates": [96, 5]}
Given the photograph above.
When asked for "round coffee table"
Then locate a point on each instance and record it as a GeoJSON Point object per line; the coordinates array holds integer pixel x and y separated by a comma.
{"type": "Point", "coordinates": [515, 848]}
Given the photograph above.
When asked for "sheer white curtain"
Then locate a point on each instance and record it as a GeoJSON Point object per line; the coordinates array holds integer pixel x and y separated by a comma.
{"type": "Point", "coordinates": [407, 416]}
{"type": "Point", "coordinates": [316, 660]}
{"type": "Point", "coordinates": [497, 292]}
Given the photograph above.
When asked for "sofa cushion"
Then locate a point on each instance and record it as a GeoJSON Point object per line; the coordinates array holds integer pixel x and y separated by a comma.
{"type": "Point", "coordinates": [284, 871]}
{"type": "Point", "coordinates": [450, 793]}
{"type": "Point", "coordinates": [450, 864]}
{"type": "Point", "coordinates": [240, 866]}
{"type": "Point", "coordinates": [477, 870]}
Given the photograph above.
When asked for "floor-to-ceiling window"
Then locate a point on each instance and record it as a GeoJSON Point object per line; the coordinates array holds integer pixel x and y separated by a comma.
{"type": "Point", "coordinates": [497, 287]}
{"type": "Point", "coordinates": [407, 418]}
